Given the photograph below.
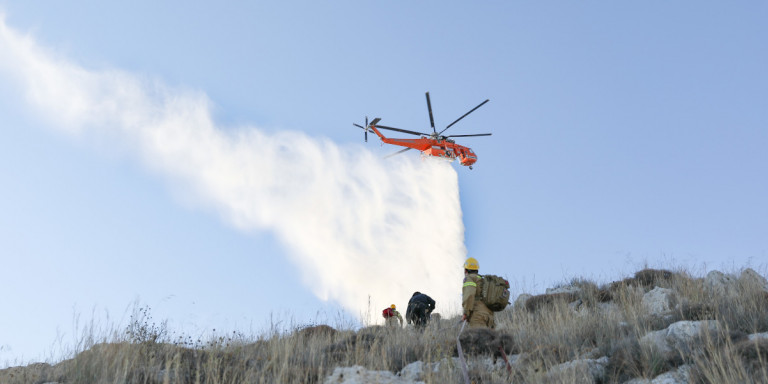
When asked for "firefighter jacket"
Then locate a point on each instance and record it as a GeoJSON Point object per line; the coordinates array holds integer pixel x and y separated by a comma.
{"type": "Point", "coordinates": [392, 321]}
{"type": "Point", "coordinates": [470, 297]}
{"type": "Point", "coordinates": [419, 306]}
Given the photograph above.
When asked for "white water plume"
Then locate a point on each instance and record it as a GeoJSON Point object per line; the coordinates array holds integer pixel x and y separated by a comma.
{"type": "Point", "coordinates": [355, 225]}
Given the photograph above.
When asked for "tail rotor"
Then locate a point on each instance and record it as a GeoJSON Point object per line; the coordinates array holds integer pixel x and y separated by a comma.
{"type": "Point", "coordinates": [367, 127]}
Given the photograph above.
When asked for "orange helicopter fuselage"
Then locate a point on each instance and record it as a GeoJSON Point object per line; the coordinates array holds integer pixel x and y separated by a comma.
{"type": "Point", "coordinates": [445, 148]}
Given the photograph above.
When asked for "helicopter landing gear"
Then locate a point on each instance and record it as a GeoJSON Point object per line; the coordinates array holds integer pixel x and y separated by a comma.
{"type": "Point", "coordinates": [470, 167]}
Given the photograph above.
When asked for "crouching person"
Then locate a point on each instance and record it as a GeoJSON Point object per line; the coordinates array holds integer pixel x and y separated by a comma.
{"type": "Point", "coordinates": [420, 308]}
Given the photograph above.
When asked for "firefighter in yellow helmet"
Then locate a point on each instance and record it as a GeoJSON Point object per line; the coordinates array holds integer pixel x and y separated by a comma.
{"type": "Point", "coordinates": [475, 312]}
{"type": "Point", "coordinates": [392, 316]}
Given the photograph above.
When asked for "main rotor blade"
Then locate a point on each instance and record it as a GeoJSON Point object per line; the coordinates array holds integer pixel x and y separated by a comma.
{"type": "Point", "coordinates": [465, 115]}
{"type": "Point", "coordinates": [396, 153]}
{"type": "Point", "coordinates": [431, 119]}
{"type": "Point", "coordinates": [401, 130]}
{"type": "Point", "coordinates": [477, 134]}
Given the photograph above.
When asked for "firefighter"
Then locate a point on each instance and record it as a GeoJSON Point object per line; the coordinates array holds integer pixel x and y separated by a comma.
{"type": "Point", "coordinates": [475, 311]}
{"type": "Point", "coordinates": [392, 316]}
{"type": "Point", "coordinates": [419, 310]}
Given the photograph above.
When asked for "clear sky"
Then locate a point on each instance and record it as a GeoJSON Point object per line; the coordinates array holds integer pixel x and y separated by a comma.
{"type": "Point", "coordinates": [159, 152]}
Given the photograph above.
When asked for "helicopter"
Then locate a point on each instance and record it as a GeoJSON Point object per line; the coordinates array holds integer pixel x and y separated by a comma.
{"type": "Point", "coordinates": [433, 144]}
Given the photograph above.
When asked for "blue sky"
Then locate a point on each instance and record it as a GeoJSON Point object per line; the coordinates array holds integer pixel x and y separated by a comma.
{"type": "Point", "coordinates": [624, 135]}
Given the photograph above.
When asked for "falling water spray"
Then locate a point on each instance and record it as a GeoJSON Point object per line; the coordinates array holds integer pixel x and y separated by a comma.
{"type": "Point", "coordinates": [353, 224]}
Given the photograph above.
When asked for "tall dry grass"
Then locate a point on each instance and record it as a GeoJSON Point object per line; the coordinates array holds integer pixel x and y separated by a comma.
{"type": "Point", "coordinates": [596, 321]}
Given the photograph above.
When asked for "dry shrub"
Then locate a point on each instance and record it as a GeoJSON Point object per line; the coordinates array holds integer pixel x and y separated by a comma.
{"type": "Point", "coordinates": [543, 357]}
{"type": "Point", "coordinates": [579, 332]}
{"type": "Point", "coordinates": [558, 334]}
{"type": "Point", "coordinates": [484, 341]}
{"type": "Point", "coordinates": [477, 340]}
{"type": "Point", "coordinates": [324, 331]}
{"type": "Point", "coordinates": [299, 358]}
{"type": "Point", "coordinates": [620, 285]}
{"type": "Point", "coordinates": [654, 322]}
{"type": "Point", "coordinates": [538, 302]}
{"type": "Point", "coordinates": [735, 360]}
{"type": "Point", "coordinates": [625, 293]}
{"type": "Point", "coordinates": [628, 359]}
{"type": "Point", "coordinates": [383, 348]}
{"type": "Point", "coordinates": [625, 361]}
{"type": "Point", "coordinates": [689, 288]}
{"type": "Point", "coordinates": [696, 311]}
{"type": "Point", "coordinates": [588, 293]}
{"type": "Point", "coordinates": [363, 339]}
{"type": "Point", "coordinates": [649, 278]}
{"type": "Point", "coordinates": [123, 362]}
{"type": "Point", "coordinates": [506, 318]}
{"type": "Point", "coordinates": [33, 373]}
{"type": "Point", "coordinates": [754, 355]}
{"type": "Point", "coordinates": [604, 295]}
{"type": "Point", "coordinates": [628, 301]}
{"type": "Point", "coordinates": [747, 311]}
{"type": "Point", "coordinates": [341, 349]}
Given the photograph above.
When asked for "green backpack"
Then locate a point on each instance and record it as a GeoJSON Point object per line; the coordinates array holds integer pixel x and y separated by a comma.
{"type": "Point", "coordinates": [494, 292]}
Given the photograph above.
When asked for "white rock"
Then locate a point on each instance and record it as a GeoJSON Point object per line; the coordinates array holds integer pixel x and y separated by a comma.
{"type": "Point", "coordinates": [680, 375]}
{"type": "Point", "coordinates": [487, 364]}
{"type": "Point", "coordinates": [750, 277]}
{"type": "Point", "coordinates": [758, 336]}
{"type": "Point", "coordinates": [659, 300]}
{"type": "Point", "coordinates": [520, 301]}
{"type": "Point", "coordinates": [446, 364]}
{"type": "Point", "coordinates": [719, 283]}
{"type": "Point", "coordinates": [685, 332]}
{"type": "Point", "coordinates": [679, 335]}
{"type": "Point", "coordinates": [415, 371]}
{"type": "Point", "coordinates": [563, 289]}
{"type": "Point", "coordinates": [656, 340]}
{"type": "Point", "coordinates": [360, 375]}
{"type": "Point", "coordinates": [582, 370]}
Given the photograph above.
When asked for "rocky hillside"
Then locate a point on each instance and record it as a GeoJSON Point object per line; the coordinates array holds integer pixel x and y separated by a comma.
{"type": "Point", "coordinates": [658, 326]}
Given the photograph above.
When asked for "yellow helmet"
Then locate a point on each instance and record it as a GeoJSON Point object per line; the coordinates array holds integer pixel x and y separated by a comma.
{"type": "Point", "coordinates": [472, 264]}
{"type": "Point", "coordinates": [392, 306]}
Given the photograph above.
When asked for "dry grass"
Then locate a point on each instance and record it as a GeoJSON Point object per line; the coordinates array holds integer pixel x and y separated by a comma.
{"type": "Point", "coordinates": [597, 321]}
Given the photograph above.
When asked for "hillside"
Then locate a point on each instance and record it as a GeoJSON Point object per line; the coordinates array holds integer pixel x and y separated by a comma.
{"type": "Point", "coordinates": [658, 326]}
